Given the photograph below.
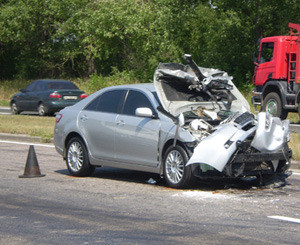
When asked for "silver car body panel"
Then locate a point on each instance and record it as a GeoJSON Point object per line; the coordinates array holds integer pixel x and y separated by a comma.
{"type": "Point", "coordinates": [136, 140]}
{"type": "Point", "coordinates": [271, 133]}
{"type": "Point", "coordinates": [214, 150]}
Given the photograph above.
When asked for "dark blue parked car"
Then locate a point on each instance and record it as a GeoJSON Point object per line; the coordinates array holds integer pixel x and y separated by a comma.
{"type": "Point", "coordinates": [46, 97]}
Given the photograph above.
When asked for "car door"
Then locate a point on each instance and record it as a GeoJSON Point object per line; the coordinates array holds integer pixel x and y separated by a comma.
{"type": "Point", "coordinates": [25, 100]}
{"type": "Point", "coordinates": [136, 138]}
{"type": "Point", "coordinates": [97, 123]}
{"type": "Point", "coordinates": [38, 94]}
{"type": "Point", "coordinates": [266, 63]}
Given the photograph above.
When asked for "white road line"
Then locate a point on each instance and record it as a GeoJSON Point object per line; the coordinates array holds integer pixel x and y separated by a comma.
{"type": "Point", "coordinates": [24, 143]}
{"type": "Point", "coordinates": [285, 219]}
{"type": "Point", "coordinates": [296, 173]}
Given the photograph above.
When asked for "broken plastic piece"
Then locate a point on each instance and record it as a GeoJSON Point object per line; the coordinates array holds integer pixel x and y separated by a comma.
{"type": "Point", "coordinates": [151, 181]}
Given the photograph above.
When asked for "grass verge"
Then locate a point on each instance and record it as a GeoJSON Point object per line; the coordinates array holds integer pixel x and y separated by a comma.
{"type": "Point", "coordinates": [294, 145]}
{"type": "Point", "coordinates": [28, 125]}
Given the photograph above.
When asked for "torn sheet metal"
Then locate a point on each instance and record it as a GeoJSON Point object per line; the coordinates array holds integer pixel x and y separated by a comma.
{"type": "Point", "coordinates": [226, 135]}
{"type": "Point", "coordinates": [271, 133]}
{"type": "Point", "coordinates": [216, 149]}
{"type": "Point", "coordinates": [170, 79]}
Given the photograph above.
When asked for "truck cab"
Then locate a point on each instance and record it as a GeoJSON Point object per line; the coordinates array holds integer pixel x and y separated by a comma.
{"type": "Point", "coordinates": [276, 75]}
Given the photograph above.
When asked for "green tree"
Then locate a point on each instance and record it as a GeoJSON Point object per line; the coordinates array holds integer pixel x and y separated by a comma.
{"type": "Point", "coordinates": [29, 29]}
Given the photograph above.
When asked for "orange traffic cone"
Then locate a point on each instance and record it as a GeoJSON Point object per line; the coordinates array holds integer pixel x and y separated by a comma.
{"type": "Point", "coordinates": [32, 167]}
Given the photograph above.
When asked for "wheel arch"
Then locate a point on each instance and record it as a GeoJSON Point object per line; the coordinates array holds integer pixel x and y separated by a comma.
{"type": "Point", "coordinates": [171, 142]}
{"type": "Point", "coordinates": [166, 146]}
{"type": "Point", "coordinates": [298, 98]}
{"type": "Point", "coordinates": [69, 137]}
{"type": "Point", "coordinates": [277, 87]}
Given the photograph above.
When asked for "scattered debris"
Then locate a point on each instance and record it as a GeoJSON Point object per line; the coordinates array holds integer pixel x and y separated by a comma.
{"type": "Point", "coordinates": [151, 181]}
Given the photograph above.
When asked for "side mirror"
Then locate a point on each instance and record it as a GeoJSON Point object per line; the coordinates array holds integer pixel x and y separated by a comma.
{"type": "Point", "coordinates": [144, 112]}
{"type": "Point", "coordinates": [23, 90]}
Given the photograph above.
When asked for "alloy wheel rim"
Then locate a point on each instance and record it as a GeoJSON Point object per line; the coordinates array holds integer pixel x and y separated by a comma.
{"type": "Point", "coordinates": [75, 156]}
{"type": "Point", "coordinates": [272, 107]}
{"type": "Point", "coordinates": [174, 166]}
{"type": "Point", "coordinates": [41, 110]}
{"type": "Point", "coordinates": [14, 108]}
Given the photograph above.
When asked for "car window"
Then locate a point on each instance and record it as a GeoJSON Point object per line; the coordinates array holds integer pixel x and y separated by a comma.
{"type": "Point", "coordinates": [107, 102]}
{"type": "Point", "coordinates": [31, 86]}
{"type": "Point", "coordinates": [61, 85]}
{"type": "Point", "coordinates": [135, 100]}
{"type": "Point", "coordinates": [39, 86]}
{"type": "Point", "coordinates": [266, 52]}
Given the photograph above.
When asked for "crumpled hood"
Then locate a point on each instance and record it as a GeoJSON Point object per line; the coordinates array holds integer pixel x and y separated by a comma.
{"type": "Point", "coordinates": [172, 81]}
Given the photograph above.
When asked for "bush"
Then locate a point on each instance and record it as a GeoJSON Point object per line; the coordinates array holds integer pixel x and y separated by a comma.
{"type": "Point", "coordinates": [97, 82]}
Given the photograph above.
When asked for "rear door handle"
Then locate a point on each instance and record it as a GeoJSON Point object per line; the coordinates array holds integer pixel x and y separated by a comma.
{"type": "Point", "coordinates": [84, 117]}
{"type": "Point", "coordinates": [120, 123]}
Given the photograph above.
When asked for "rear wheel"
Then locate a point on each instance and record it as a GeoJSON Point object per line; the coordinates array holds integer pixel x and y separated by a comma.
{"type": "Point", "coordinates": [176, 173]}
{"type": "Point", "coordinates": [42, 110]}
{"type": "Point", "coordinates": [14, 109]}
{"type": "Point", "coordinates": [77, 158]}
{"type": "Point", "coordinates": [273, 105]}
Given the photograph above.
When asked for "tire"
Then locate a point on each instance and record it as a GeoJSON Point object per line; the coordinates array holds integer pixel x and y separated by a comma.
{"type": "Point", "coordinates": [42, 110]}
{"type": "Point", "coordinates": [273, 105]}
{"type": "Point", "coordinates": [176, 174]}
{"type": "Point", "coordinates": [77, 159]}
{"type": "Point", "coordinates": [14, 109]}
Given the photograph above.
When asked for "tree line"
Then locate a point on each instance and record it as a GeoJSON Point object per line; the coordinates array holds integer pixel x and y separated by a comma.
{"type": "Point", "coordinates": [79, 38]}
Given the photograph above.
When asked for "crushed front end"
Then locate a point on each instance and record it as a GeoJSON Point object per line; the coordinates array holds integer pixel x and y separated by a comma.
{"type": "Point", "coordinates": [230, 141]}
{"type": "Point", "coordinates": [243, 146]}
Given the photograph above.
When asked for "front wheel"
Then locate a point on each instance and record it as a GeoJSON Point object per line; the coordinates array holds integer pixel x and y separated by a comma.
{"type": "Point", "coordinates": [176, 173]}
{"type": "Point", "coordinates": [273, 105]}
{"type": "Point", "coordinates": [14, 108]}
{"type": "Point", "coordinates": [77, 159]}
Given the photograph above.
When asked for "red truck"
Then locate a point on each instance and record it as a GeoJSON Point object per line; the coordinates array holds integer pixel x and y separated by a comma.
{"type": "Point", "coordinates": [277, 74]}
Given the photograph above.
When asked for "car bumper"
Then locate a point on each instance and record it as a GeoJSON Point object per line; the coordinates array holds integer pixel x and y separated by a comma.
{"type": "Point", "coordinates": [249, 164]}
{"type": "Point", "coordinates": [54, 106]}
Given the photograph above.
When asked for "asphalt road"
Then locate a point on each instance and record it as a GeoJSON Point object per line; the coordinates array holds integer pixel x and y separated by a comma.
{"type": "Point", "coordinates": [119, 207]}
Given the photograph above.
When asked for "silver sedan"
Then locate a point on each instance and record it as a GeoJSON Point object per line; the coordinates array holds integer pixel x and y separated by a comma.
{"type": "Point", "coordinates": [178, 127]}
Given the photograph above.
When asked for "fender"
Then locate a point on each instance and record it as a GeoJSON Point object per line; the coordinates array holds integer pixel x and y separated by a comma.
{"type": "Point", "coordinates": [281, 88]}
{"type": "Point", "coordinates": [297, 98]}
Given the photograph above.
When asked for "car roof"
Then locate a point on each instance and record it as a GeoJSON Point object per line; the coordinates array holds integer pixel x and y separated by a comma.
{"type": "Point", "coordinates": [51, 80]}
{"type": "Point", "coordinates": [143, 86]}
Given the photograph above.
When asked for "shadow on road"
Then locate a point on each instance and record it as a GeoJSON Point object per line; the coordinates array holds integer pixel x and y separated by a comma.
{"type": "Point", "coordinates": [203, 185]}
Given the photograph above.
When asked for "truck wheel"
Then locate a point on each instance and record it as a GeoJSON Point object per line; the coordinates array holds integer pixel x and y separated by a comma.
{"type": "Point", "coordinates": [272, 104]}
